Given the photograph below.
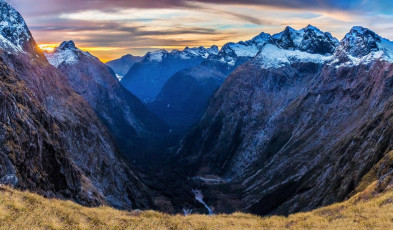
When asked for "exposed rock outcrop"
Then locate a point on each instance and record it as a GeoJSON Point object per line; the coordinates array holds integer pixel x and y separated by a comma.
{"type": "Point", "coordinates": [292, 129]}
{"type": "Point", "coordinates": [51, 140]}
{"type": "Point", "coordinates": [133, 127]}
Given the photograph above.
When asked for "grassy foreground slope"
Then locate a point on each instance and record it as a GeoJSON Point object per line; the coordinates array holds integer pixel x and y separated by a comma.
{"type": "Point", "coordinates": [24, 210]}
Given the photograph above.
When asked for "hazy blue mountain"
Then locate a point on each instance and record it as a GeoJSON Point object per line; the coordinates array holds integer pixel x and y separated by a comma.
{"type": "Point", "coordinates": [122, 65]}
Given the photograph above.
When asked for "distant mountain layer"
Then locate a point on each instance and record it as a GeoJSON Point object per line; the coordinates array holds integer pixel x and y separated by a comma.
{"type": "Point", "coordinates": [145, 79]}
{"type": "Point", "coordinates": [122, 65]}
{"type": "Point", "coordinates": [185, 96]}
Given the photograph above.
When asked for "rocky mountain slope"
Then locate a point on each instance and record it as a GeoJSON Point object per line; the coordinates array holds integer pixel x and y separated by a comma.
{"type": "Point", "coordinates": [298, 126]}
{"type": "Point", "coordinates": [52, 142]}
{"type": "Point", "coordinates": [185, 96]}
{"type": "Point", "coordinates": [197, 84]}
{"type": "Point", "coordinates": [122, 65]}
{"type": "Point", "coordinates": [302, 121]}
{"type": "Point", "coordinates": [146, 78]}
{"type": "Point", "coordinates": [130, 123]}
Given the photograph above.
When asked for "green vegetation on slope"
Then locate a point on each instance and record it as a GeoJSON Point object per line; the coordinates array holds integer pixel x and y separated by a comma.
{"type": "Point", "coordinates": [24, 210]}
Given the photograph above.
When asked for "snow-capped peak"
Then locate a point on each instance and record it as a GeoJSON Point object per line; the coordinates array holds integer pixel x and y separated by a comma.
{"type": "Point", "coordinates": [309, 39]}
{"type": "Point", "coordinates": [363, 46]}
{"type": "Point", "coordinates": [248, 48]}
{"type": "Point", "coordinates": [187, 53]}
{"type": "Point", "coordinates": [14, 33]}
{"type": "Point", "coordinates": [272, 56]}
{"type": "Point", "coordinates": [201, 51]}
{"type": "Point", "coordinates": [308, 45]}
{"type": "Point", "coordinates": [231, 52]}
{"type": "Point", "coordinates": [213, 50]}
{"type": "Point", "coordinates": [67, 45]}
{"type": "Point", "coordinates": [360, 41]}
{"type": "Point", "coordinates": [67, 53]}
{"type": "Point", "coordinates": [156, 55]}
{"type": "Point", "coordinates": [260, 40]}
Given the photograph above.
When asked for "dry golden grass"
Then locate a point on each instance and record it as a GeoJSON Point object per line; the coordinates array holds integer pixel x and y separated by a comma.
{"type": "Point", "coordinates": [24, 210]}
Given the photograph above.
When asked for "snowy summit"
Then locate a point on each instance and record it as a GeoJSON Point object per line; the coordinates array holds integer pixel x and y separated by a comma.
{"type": "Point", "coordinates": [14, 33]}
{"type": "Point", "coordinates": [66, 53]}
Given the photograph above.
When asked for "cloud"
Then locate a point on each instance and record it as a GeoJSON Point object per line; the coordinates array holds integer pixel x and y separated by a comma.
{"type": "Point", "coordinates": [50, 6]}
{"type": "Point", "coordinates": [125, 26]}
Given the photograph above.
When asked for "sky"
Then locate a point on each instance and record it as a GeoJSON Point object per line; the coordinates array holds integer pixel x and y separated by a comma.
{"type": "Point", "coordinates": [112, 28]}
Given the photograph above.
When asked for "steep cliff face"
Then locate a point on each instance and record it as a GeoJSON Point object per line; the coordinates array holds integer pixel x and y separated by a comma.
{"type": "Point", "coordinates": [127, 119]}
{"type": "Point", "coordinates": [15, 35]}
{"type": "Point", "coordinates": [309, 39]}
{"type": "Point", "coordinates": [52, 141]}
{"type": "Point", "coordinates": [232, 54]}
{"type": "Point", "coordinates": [292, 129]}
{"type": "Point", "coordinates": [184, 97]}
{"type": "Point", "coordinates": [203, 80]}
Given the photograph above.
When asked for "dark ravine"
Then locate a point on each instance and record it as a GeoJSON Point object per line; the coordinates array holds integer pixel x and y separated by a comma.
{"type": "Point", "coordinates": [275, 125]}
{"type": "Point", "coordinates": [185, 96]}
{"type": "Point", "coordinates": [294, 136]}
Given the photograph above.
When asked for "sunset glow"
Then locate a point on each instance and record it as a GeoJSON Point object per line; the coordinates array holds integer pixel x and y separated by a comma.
{"type": "Point", "coordinates": [47, 47]}
{"type": "Point", "coordinates": [114, 28]}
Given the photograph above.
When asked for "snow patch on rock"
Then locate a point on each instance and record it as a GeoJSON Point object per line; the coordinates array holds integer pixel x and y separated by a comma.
{"type": "Point", "coordinates": [309, 39]}
{"type": "Point", "coordinates": [156, 56]}
{"type": "Point", "coordinates": [67, 53]}
{"type": "Point", "coordinates": [362, 46]}
{"type": "Point", "coordinates": [14, 33]}
{"type": "Point", "coordinates": [199, 51]}
{"type": "Point", "coordinates": [272, 56]}
{"type": "Point", "coordinates": [186, 54]}
{"type": "Point", "coordinates": [119, 77]}
{"type": "Point", "coordinates": [248, 48]}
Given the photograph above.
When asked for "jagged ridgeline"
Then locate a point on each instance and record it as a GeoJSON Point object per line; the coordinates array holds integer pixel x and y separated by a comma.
{"type": "Point", "coordinates": [297, 126]}
{"type": "Point", "coordinates": [133, 126]}
{"type": "Point", "coordinates": [274, 125]}
{"type": "Point", "coordinates": [146, 78]}
{"type": "Point", "coordinates": [51, 141]}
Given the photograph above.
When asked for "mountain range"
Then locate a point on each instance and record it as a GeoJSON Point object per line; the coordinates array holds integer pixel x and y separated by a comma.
{"type": "Point", "coordinates": [146, 78]}
{"type": "Point", "coordinates": [277, 124]}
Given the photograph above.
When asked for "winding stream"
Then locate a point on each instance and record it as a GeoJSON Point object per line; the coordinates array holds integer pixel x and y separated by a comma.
{"type": "Point", "coordinates": [199, 197]}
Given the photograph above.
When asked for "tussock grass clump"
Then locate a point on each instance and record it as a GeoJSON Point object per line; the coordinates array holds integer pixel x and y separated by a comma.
{"type": "Point", "coordinates": [24, 210]}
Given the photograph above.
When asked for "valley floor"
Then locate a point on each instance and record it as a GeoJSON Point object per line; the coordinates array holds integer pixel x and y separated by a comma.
{"type": "Point", "coordinates": [24, 210]}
